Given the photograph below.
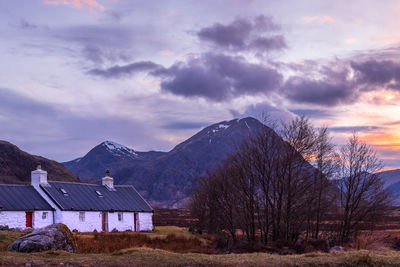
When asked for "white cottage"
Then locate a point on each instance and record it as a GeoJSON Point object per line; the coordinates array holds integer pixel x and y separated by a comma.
{"type": "Point", "coordinates": [86, 207]}
{"type": "Point", "coordinates": [22, 206]}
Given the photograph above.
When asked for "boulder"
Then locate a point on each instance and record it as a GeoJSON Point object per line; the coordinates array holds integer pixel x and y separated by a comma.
{"type": "Point", "coordinates": [53, 237]}
{"type": "Point", "coordinates": [336, 250]}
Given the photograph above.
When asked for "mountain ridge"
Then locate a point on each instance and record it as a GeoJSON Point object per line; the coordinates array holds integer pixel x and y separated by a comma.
{"type": "Point", "coordinates": [168, 178]}
{"type": "Point", "coordinates": [16, 166]}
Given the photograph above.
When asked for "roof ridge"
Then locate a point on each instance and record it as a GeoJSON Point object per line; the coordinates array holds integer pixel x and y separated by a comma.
{"type": "Point", "coordinates": [16, 185]}
{"type": "Point", "coordinates": [63, 182]}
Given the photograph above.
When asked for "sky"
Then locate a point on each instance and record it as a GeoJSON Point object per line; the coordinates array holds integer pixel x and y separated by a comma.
{"type": "Point", "coordinates": [150, 74]}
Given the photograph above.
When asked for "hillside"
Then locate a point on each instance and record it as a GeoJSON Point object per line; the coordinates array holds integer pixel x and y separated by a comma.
{"type": "Point", "coordinates": [166, 179]}
{"type": "Point", "coordinates": [16, 166]}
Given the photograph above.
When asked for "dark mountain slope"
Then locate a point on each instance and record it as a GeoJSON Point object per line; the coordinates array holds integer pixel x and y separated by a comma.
{"type": "Point", "coordinates": [167, 178]}
{"type": "Point", "coordinates": [16, 166]}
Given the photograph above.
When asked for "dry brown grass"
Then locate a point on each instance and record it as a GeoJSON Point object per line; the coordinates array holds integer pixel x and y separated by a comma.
{"type": "Point", "coordinates": [6, 238]}
{"type": "Point", "coordinates": [156, 257]}
{"type": "Point", "coordinates": [111, 242]}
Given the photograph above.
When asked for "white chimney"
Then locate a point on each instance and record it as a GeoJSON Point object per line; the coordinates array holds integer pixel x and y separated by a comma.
{"type": "Point", "coordinates": [39, 176]}
{"type": "Point", "coordinates": [108, 181]}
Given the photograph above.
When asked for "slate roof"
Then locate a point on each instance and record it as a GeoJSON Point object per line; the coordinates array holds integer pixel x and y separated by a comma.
{"type": "Point", "coordinates": [21, 198]}
{"type": "Point", "coordinates": [83, 197]}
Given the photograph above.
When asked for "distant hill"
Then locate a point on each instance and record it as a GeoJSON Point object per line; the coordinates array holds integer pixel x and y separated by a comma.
{"type": "Point", "coordinates": [392, 182]}
{"type": "Point", "coordinates": [166, 179]}
{"type": "Point", "coordinates": [16, 166]}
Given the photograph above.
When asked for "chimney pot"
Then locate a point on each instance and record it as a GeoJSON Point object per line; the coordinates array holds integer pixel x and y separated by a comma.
{"type": "Point", "coordinates": [38, 176]}
{"type": "Point", "coordinates": [108, 181]}
{"type": "Point", "coordinates": [39, 167]}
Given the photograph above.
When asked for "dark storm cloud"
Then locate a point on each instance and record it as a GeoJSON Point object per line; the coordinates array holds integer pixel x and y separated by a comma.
{"type": "Point", "coordinates": [218, 78]}
{"type": "Point", "coordinates": [374, 72]}
{"type": "Point", "coordinates": [130, 69]}
{"type": "Point", "coordinates": [354, 78]}
{"type": "Point", "coordinates": [245, 35]}
{"type": "Point", "coordinates": [265, 44]}
{"type": "Point", "coordinates": [184, 125]}
{"type": "Point", "coordinates": [232, 35]}
{"type": "Point", "coordinates": [321, 92]}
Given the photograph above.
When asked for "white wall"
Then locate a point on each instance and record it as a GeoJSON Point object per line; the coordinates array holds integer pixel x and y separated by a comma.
{"type": "Point", "coordinates": [126, 223]}
{"type": "Point", "coordinates": [71, 219]}
{"type": "Point", "coordinates": [39, 222]}
{"type": "Point", "coordinates": [93, 220]}
{"type": "Point", "coordinates": [145, 221]}
{"type": "Point", "coordinates": [13, 219]}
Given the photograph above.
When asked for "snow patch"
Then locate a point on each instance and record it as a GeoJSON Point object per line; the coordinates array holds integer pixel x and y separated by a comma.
{"type": "Point", "coordinates": [118, 149]}
{"type": "Point", "coordinates": [223, 126]}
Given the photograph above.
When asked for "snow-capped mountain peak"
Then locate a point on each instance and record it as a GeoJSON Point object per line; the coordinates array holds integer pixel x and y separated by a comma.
{"type": "Point", "coordinates": [118, 149]}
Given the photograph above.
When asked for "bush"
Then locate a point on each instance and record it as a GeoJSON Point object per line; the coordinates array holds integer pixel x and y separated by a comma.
{"type": "Point", "coordinates": [108, 243]}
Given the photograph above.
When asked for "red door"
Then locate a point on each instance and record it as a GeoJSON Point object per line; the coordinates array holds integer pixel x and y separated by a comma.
{"type": "Point", "coordinates": [104, 222]}
{"type": "Point", "coordinates": [135, 221]}
{"type": "Point", "coordinates": [28, 216]}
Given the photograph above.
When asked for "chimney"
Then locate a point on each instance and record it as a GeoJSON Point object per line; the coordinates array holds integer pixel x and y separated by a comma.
{"type": "Point", "coordinates": [39, 176]}
{"type": "Point", "coordinates": [108, 181]}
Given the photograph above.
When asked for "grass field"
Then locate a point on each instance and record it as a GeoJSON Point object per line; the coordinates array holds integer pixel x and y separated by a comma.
{"type": "Point", "coordinates": [144, 255]}
{"type": "Point", "coordinates": [155, 257]}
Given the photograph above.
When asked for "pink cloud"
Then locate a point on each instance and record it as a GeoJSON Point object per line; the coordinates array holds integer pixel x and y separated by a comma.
{"type": "Point", "coordinates": [88, 4]}
{"type": "Point", "coordinates": [319, 19]}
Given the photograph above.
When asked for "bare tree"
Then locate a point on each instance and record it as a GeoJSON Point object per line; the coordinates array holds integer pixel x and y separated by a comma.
{"type": "Point", "coordinates": [362, 195]}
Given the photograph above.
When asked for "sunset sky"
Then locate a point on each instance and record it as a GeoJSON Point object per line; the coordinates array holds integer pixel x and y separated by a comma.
{"type": "Point", "coordinates": [149, 74]}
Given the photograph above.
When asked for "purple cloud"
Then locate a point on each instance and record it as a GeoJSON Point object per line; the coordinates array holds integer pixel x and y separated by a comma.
{"type": "Point", "coordinates": [120, 71]}
{"type": "Point", "coordinates": [321, 92]}
{"type": "Point", "coordinates": [244, 35]}
{"type": "Point", "coordinates": [218, 77]}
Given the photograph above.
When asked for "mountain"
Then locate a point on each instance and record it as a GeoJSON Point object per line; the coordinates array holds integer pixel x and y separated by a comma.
{"type": "Point", "coordinates": [166, 179]}
{"type": "Point", "coordinates": [107, 155]}
{"type": "Point", "coordinates": [16, 166]}
{"type": "Point", "coordinates": [392, 182]}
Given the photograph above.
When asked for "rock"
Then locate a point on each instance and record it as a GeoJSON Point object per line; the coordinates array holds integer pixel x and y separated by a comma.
{"type": "Point", "coordinates": [53, 237]}
{"type": "Point", "coordinates": [336, 249]}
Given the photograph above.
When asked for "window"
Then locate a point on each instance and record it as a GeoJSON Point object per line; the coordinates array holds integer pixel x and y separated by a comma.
{"type": "Point", "coordinates": [120, 216]}
{"type": "Point", "coordinates": [64, 191]}
{"type": "Point", "coordinates": [81, 216]}
{"type": "Point", "coordinates": [44, 215]}
{"type": "Point", "coordinates": [99, 193]}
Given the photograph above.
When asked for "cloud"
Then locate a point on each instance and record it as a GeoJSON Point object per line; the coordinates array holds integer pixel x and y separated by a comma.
{"type": "Point", "coordinates": [351, 129]}
{"type": "Point", "coordinates": [326, 91]}
{"type": "Point", "coordinates": [106, 43]}
{"type": "Point", "coordinates": [60, 134]}
{"type": "Point", "coordinates": [218, 77]}
{"type": "Point", "coordinates": [312, 113]}
{"type": "Point", "coordinates": [319, 19]}
{"type": "Point", "coordinates": [86, 4]}
{"type": "Point", "coordinates": [230, 36]}
{"type": "Point", "coordinates": [24, 24]}
{"type": "Point", "coordinates": [260, 110]}
{"type": "Point", "coordinates": [341, 81]}
{"type": "Point", "coordinates": [245, 35]}
{"type": "Point", "coordinates": [373, 72]}
{"type": "Point", "coordinates": [120, 71]}
{"type": "Point", "coordinates": [184, 125]}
